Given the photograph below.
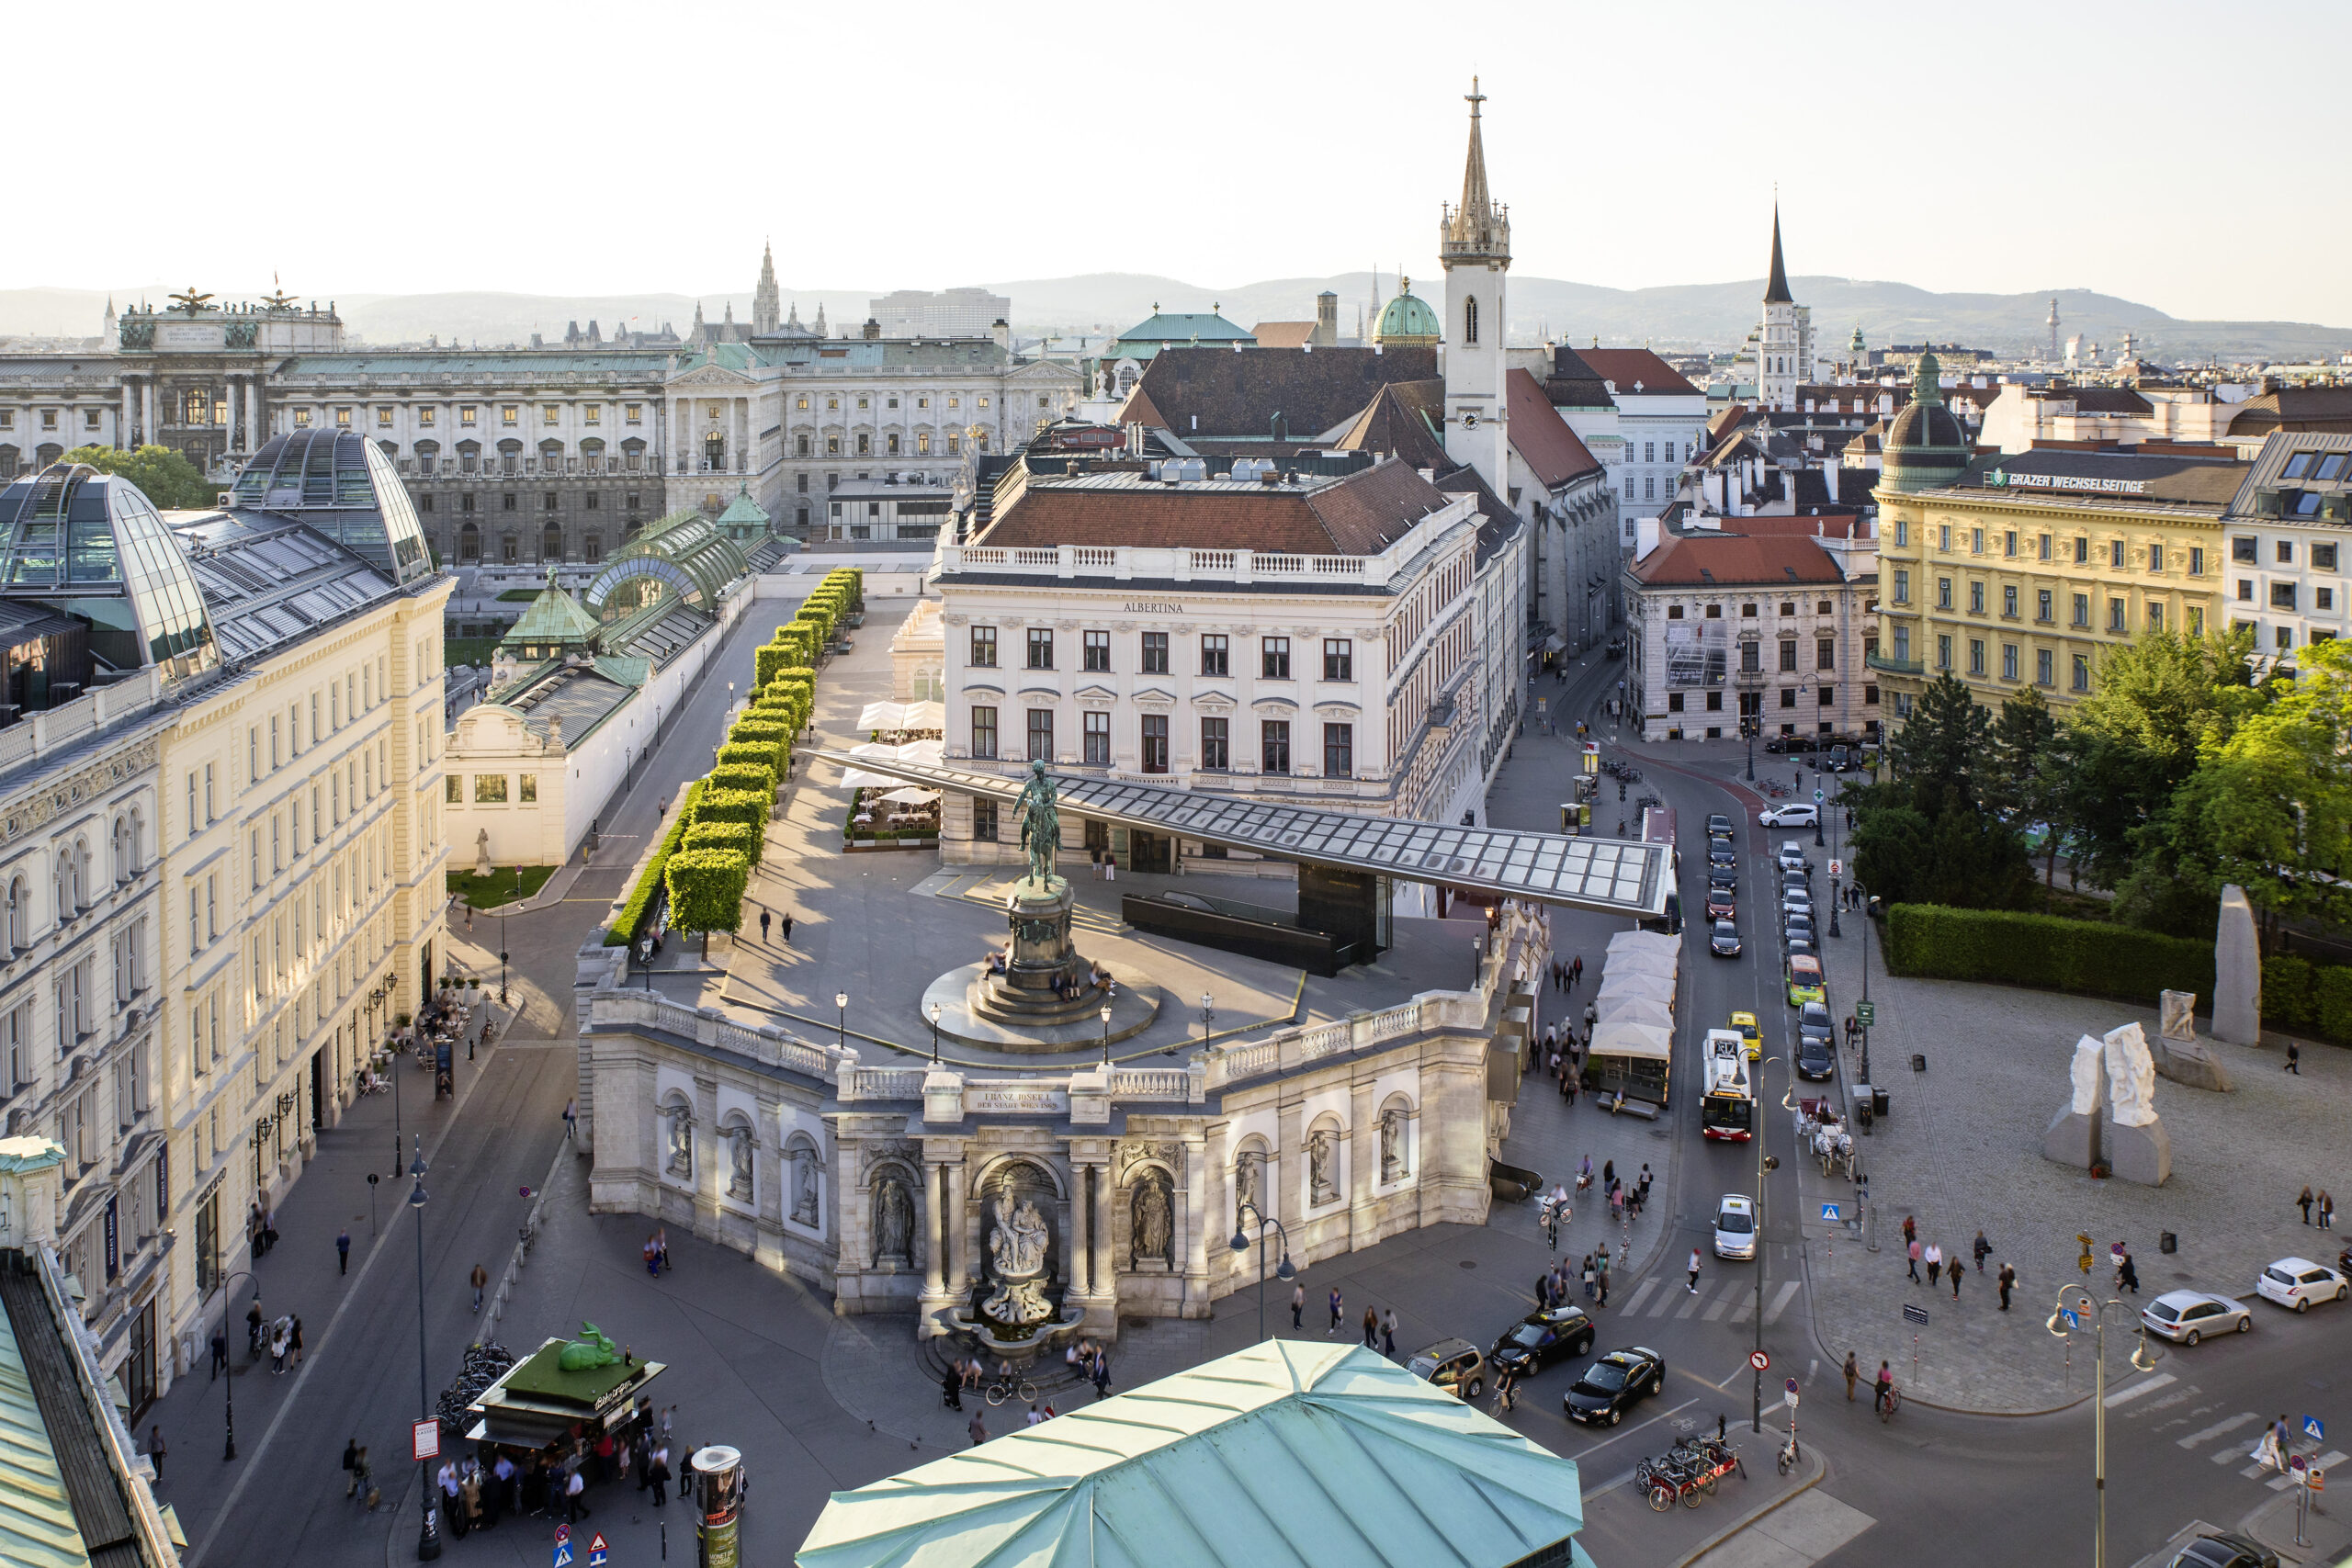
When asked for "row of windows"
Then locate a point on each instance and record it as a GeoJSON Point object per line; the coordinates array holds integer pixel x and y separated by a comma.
{"type": "Point", "coordinates": [864, 447]}
{"type": "Point", "coordinates": [865, 401]}
{"type": "Point", "coordinates": [1217, 754]}
{"type": "Point", "coordinates": [2045, 605]}
{"type": "Point", "coordinates": [1215, 655]}
{"type": "Point", "coordinates": [1826, 694]}
{"type": "Point", "coordinates": [548, 501]}
{"type": "Point", "coordinates": [2120, 555]}
{"type": "Point", "coordinates": [2246, 549]}
{"type": "Point", "coordinates": [2284, 595]}
{"type": "Point", "coordinates": [490, 789]}
{"type": "Point", "coordinates": [1749, 612]}
{"type": "Point", "coordinates": [49, 419]}
{"type": "Point", "coordinates": [511, 416]}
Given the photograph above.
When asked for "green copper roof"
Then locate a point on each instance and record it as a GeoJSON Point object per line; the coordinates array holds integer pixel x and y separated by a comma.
{"type": "Point", "coordinates": [1284, 1454]}
{"type": "Point", "coordinates": [37, 1526]}
{"type": "Point", "coordinates": [555, 618]}
{"type": "Point", "coordinates": [743, 512]}
{"type": "Point", "coordinates": [1407, 316]}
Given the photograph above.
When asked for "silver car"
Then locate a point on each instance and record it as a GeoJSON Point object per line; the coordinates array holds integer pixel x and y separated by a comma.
{"type": "Point", "coordinates": [2188, 1316]}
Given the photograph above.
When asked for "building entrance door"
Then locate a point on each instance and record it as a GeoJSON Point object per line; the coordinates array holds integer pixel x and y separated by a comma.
{"type": "Point", "coordinates": [1148, 852]}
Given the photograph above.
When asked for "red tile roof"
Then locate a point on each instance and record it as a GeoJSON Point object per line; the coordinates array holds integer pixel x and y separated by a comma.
{"type": "Point", "coordinates": [1623, 367]}
{"type": "Point", "coordinates": [1732, 561]}
{"type": "Point", "coordinates": [1361, 514]}
{"type": "Point", "coordinates": [1541, 436]}
{"type": "Point", "coordinates": [1283, 334]}
{"type": "Point", "coordinates": [1823, 525]}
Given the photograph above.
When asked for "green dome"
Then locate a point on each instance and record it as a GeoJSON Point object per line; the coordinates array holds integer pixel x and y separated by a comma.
{"type": "Point", "coordinates": [1405, 320]}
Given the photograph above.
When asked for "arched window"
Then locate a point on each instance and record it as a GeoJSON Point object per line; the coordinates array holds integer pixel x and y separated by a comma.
{"type": "Point", "coordinates": [60, 885]}
{"type": "Point", "coordinates": [1470, 320]}
{"type": "Point", "coordinates": [135, 841]}
{"type": "Point", "coordinates": [19, 920]}
{"type": "Point", "coordinates": [121, 862]}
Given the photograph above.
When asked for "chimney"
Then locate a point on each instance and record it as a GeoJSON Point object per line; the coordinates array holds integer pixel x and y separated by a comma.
{"type": "Point", "coordinates": [873, 331]}
{"type": "Point", "coordinates": [1001, 333]}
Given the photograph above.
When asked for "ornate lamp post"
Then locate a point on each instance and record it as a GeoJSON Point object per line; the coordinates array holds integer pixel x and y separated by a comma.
{"type": "Point", "coordinates": [428, 1539]}
{"type": "Point", "coordinates": [1284, 1273]}
{"type": "Point", "coordinates": [2074, 1304]}
{"type": "Point", "coordinates": [1208, 1016]}
{"type": "Point", "coordinates": [1106, 1031]}
{"type": "Point", "coordinates": [229, 1390]}
{"type": "Point", "coordinates": [841, 1019]}
{"type": "Point", "coordinates": [934, 1033]}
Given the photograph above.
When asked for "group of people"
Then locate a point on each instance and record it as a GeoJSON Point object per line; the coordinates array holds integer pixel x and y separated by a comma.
{"type": "Point", "coordinates": [1070, 988]}
{"type": "Point", "coordinates": [1561, 1055]}
{"type": "Point", "coordinates": [1881, 1386]}
{"type": "Point", "coordinates": [280, 1337]}
{"type": "Point", "coordinates": [2324, 1203]}
{"type": "Point", "coordinates": [657, 1252]}
{"type": "Point", "coordinates": [1938, 1264]}
{"type": "Point", "coordinates": [477, 1489]}
{"type": "Point", "coordinates": [1554, 1286]}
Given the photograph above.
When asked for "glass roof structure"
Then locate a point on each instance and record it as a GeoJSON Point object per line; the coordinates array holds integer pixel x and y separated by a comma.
{"type": "Point", "coordinates": [341, 484]}
{"type": "Point", "coordinates": [1613, 875]}
{"type": "Point", "coordinates": [683, 552]}
{"type": "Point", "coordinates": [93, 546]}
{"type": "Point", "coordinates": [267, 581]}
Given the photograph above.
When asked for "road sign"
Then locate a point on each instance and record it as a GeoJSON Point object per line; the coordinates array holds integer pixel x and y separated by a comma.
{"type": "Point", "coordinates": [1830, 1211]}
{"type": "Point", "coordinates": [1816, 797]}
{"type": "Point", "coordinates": [425, 1441]}
{"type": "Point", "coordinates": [564, 1532]}
{"type": "Point", "coordinates": [1865, 1014]}
{"type": "Point", "coordinates": [1759, 1360]}
{"type": "Point", "coordinates": [563, 1554]}
{"type": "Point", "coordinates": [2071, 1318]}
{"type": "Point", "coordinates": [597, 1553]}
{"type": "Point", "coordinates": [2314, 1429]}
{"type": "Point", "coordinates": [1836, 868]}
{"type": "Point", "coordinates": [1914, 1314]}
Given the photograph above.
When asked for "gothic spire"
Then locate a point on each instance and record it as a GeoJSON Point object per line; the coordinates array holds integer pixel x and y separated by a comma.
{"type": "Point", "coordinates": [1474, 198]}
{"type": "Point", "coordinates": [765, 296]}
{"type": "Point", "coordinates": [1776, 290]}
{"type": "Point", "coordinates": [1479, 229]}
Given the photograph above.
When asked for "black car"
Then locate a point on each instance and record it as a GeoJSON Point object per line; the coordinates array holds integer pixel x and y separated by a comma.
{"type": "Point", "coordinates": [1725, 877]}
{"type": "Point", "coordinates": [1813, 1022]}
{"type": "Point", "coordinates": [1815, 1059]}
{"type": "Point", "coordinates": [1801, 946]}
{"type": "Point", "coordinates": [1722, 854]}
{"type": "Point", "coordinates": [1542, 1338]}
{"type": "Point", "coordinates": [1719, 826]}
{"type": "Point", "coordinates": [1608, 1386]}
{"type": "Point", "coordinates": [1723, 941]}
{"type": "Point", "coordinates": [2225, 1549]}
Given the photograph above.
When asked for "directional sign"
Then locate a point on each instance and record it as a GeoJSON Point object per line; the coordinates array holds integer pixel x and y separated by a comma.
{"type": "Point", "coordinates": [424, 1440]}
{"type": "Point", "coordinates": [1914, 1314]}
{"type": "Point", "coordinates": [1759, 1360]}
{"type": "Point", "coordinates": [1830, 1211]}
{"type": "Point", "coordinates": [597, 1554]}
{"type": "Point", "coordinates": [563, 1554]}
{"type": "Point", "coordinates": [1865, 1014]}
{"type": "Point", "coordinates": [2071, 1318]}
{"type": "Point", "coordinates": [1816, 797]}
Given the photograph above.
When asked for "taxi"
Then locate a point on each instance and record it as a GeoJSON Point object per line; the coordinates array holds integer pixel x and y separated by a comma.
{"type": "Point", "coordinates": [1744, 1023]}
{"type": "Point", "coordinates": [1805, 982]}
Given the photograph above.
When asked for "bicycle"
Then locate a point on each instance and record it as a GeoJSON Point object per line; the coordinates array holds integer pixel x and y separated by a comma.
{"type": "Point", "coordinates": [1006, 1386]}
{"type": "Point", "coordinates": [1888, 1405]}
{"type": "Point", "coordinates": [1789, 1456]}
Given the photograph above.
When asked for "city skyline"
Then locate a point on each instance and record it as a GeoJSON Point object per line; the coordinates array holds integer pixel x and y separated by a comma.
{"type": "Point", "coordinates": [1999, 129]}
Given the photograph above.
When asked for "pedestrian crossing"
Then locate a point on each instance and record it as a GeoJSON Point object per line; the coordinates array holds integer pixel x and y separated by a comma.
{"type": "Point", "coordinates": [2237, 1436]}
{"type": "Point", "coordinates": [1734, 1297]}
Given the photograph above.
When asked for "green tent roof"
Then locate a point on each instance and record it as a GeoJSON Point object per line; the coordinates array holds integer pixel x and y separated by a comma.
{"type": "Point", "coordinates": [745, 512]}
{"type": "Point", "coordinates": [1285, 1453]}
{"type": "Point", "coordinates": [555, 616]}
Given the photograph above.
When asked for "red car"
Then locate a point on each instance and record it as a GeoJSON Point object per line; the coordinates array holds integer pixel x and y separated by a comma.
{"type": "Point", "coordinates": [1719, 904]}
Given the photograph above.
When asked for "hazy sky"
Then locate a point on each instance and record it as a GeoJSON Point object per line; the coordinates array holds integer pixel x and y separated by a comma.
{"type": "Point", "coordinates": [2174, 154]}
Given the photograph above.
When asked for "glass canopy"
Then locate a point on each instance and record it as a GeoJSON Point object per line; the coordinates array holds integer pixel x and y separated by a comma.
{"type": "Point", "coordinates": [93, 546]}
{"type": "Point", "coordinates": [340, 484]}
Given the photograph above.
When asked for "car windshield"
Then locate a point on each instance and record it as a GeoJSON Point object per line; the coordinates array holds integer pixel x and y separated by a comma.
{"type": "Point", "coordinates": [2279, 1275]}
{"type": "Point", "coordinates": [1420, 1366]}
{"type": "Point", "coordinates": [1732, 1221]}
{"type": "Point", "coordinates": [1814, 1012]}
{"type": "Point", "coordinates": [1526, 1336]}
{"type": "Point", "coordinates": [2165, 1311]}
{"type": "Point", "coordinates": [1725, 927]}
{"type": "Point", "coordinates": [1608, 1377]}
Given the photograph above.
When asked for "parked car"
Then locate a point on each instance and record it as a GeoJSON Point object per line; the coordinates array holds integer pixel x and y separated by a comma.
{"type": "Point", "coordinates": [1540, 1338]}
{"type": "Point", "coordinates": [1454, 1365]}
{"type": "Point", "coordinates": [1797, 922]}
{"type": "Point", "coordinates": [2298, 1282]}
{"type": "Point", "coordinates": [1721, 905]}
{"type": "Point", "coordinates": [1799, 947]}
{"type": "Point", "coordinates": [1721, 853]}
{"type": "Point", "coordinates": [1804, 980]}
{"type": "Point", "coordinates": [1734, 1225]}
{"type": "Point", "coordinates": [2188, 1317]}
{"type": "Point", "coordinates": [1722, 876]}
{"type": "Point", "coordinates": [1723, 941]}
{"type": "Point", "coordinates": [1813, 1022]}
{"type": "Point", "coordinates": [1792, 857]}
{"type": "Point", "coordinates": [1745, 1025]}
{"type": "Point", "coordinates": [2225, 1549]}
{"type": "Point", "coordinates": [1815, 1060]}
{"type": "Point", "coordinates": [1611, 1385]}
{"type": "Point", "coordinates": [1792, 816]}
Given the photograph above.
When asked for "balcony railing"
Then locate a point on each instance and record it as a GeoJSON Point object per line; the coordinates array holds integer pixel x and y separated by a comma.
{"type": "Point", "coordinates": [1894, 666]}
{"type": "Point", "coordinates": [1124, 562]}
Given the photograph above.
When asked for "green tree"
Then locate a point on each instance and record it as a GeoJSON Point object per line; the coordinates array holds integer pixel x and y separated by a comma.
{"type": "Point", "coordinates": [2030, 773]}
{"type": "Point", "coordinates": [1943, 745]}
{"type": "Point", "coordinates": [706, 890]}
{"type": "Point", "coordinates": [170, 480]}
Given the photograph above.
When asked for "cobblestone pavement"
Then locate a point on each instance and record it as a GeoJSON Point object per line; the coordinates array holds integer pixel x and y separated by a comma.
{"type": "Point", "coordinates": [1962, 1150]}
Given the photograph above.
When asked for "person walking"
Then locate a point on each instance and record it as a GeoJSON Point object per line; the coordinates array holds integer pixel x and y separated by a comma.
{"type": "Point", "coordinates": [784, 923]}
{"type": "Point", "coordinates": [342, 1251]}
{"type": "Point", "coordinates": [2326, 1211]}
{"type": "Point", "coordinates": [1958, 1268]}
{"type": "Point", "coordinates": [277, 1348]}
{"type": "Point", "coordinates": [1589, 1275]}
{"type": "Point", "coordinates": [2303, 1202]}
{"type": "Point", "coordinates": [294, 1338]}
{"type": "Point", "coordinates": [1298, 1307]}
{"type": "Point", "coordinates": [2294, 1059]}
{"type": "Point", "coordinates": [1983, 1249]}
{"type": "Point", "coordinates": [1912, 1249]}
{"type": "Point", "coordinates": [155, 1449]}
{"type": "Point", "coordinates": [2008, 1281]}
{"type": "Point", "coordinates": [571, 1120]}
{"type": "Point", "coordinates": [452, 1508]}
{"type": "Point", "coordinates": [1600, 1263]}
{"type": "Point", "coordinates": [951, 1389]}
{"type": "Point", "coordinates": [2127, 1275]}
{"type": "Point", "coordinates": [1334, 1328]}
{"type": "Point", "coordinates": [657, 1475]}
{"type": "Point", "coordinates": [1388, 1333]}
{"type": "Point", "coordinates": [1101, 1374]}
{"type": "Point", "coordinates": [1882, 1388]}
{"type": "Point", "coordinates": [977, 1429]}
{"type": "Point", "coordinates": [350, 1462]}
{"type": "Point", "coordinates": [1910, 1230]}
{"type": "Point", "coordinates": [363, 1481]}
{"type": "Point", "coordinates": [764, 927]}
{"type": "Point", "coordinates": [574, 1488]}
{"type": "Point", "coordinates": [1577, 977]}
{"type": "Point", "coordinates": [1935, 1262]}
{"type": "Point", "coordinates": [220, 1351]}
{"type": "Point", "coordinates": [478, 1278]}
{"type": "Point", "coordinates": [1371, 1328]}
{"type": "Point", "coordinates": [1853, 1373]}
{"type": "Point", "coordinates": [1694, 1270]}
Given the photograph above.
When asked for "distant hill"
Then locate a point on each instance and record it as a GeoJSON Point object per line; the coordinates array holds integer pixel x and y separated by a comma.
{"type": "Point", "coordinates": [1690, 316]}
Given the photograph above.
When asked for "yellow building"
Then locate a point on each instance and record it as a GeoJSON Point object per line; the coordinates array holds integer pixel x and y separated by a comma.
{"type": "Point", "coordinates": [2016, 570]}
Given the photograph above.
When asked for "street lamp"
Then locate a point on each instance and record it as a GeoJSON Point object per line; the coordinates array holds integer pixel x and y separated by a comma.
{"type": "Point", "coordinates": [1863, 898]}
{"type": "Point", "coordinates": [2068, 1317]}
{"type": "Point", "coordinates": [229, 1376]}
{"type": "Point", "coordinates": [1283, 1272]}
{"type": "Point", "coordinates": [841, 1019]}
{"type": "Point", "coordinates": [1764, 1165]}
{"type": "Point", "coordinates": [934, 1033]}
{"type": "Point", "coordinates": [1208, 1016]}
{"type": "Point", "coordinates": [428, 1539]}
{"type": "Point", "coordinates": [1748, 725]}
{"type": "Point", "coordinates": [502, 933]}
{"type": "Point", "coordinates": [1106, 1031]}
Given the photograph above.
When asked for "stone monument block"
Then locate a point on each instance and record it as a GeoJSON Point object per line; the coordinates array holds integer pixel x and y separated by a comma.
{"type": "Point", "coordinates": [2140, 1154]}
{"type": "Point", "coordinates": [2179, 1054]}
{"type": "Point", "coordinates": [2237, 972]}
{"type": "Point", "coordinates": [2072, 1135]}
{"type": "Point", "coordinates": [2137, 1147]}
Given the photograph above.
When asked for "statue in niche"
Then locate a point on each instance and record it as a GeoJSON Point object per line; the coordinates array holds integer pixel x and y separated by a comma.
{"type": "Point", "coordinates": [681, 1140]}
{"type": "Point", "coordinates": [1245, 1188]}
{"type": "Point", "coordinates": [894, 1222]}
{"type": "Point", "coordinates": [1154, 1220]}
{"type": "Point", "coordinates": [1322, 1149]}
{"type": "Point", "coordinates": [804, 1195]}
{"type": "Point", "coordinates": [1391, 1145]}
{"type": "Point", "coordinates": [1017, 1244]}
{"type": "Point", "coordinates": [739, 1162]}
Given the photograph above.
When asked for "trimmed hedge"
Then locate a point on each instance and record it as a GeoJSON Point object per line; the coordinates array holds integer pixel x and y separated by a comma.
{"type": "Point", "coordinates": [623, 931]}
{"type": "Point", "coordinates": [747, 754]}
{"type": "Point", "coordinates": [773, 741]}
{"type": "Point", "coordinates": [2314, 999]}
{"type": "Point", "coordinates": [755, 777]}
{"type": "Point", "coordinates": [733, 805]}
{"type": "Point", "coordinates": [2091, 957]}
{"type": "Point", "coordinates": [733, 837]}
{"type": "Point", "coordinates": [707, 889]}
{"type": "Point", "coordinates": [767, 659]}
{"type": "Point", "coordinates": [2333, 998]}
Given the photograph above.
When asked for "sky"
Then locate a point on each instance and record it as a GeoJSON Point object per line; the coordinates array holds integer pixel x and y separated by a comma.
{"type": "Point", "coordinates": [603, 149]}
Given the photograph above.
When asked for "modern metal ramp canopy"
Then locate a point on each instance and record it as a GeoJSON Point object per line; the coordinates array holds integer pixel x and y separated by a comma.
{"type": "Point", "coordinates": [1616, 876]}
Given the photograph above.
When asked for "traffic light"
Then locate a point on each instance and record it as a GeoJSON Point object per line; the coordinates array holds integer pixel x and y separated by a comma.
{"type": "Point", "coordinates": [1621, 789]}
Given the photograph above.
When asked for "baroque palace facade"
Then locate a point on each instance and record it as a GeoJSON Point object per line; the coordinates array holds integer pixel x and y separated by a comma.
{"type": "Point", "coordinates": [528, 456]}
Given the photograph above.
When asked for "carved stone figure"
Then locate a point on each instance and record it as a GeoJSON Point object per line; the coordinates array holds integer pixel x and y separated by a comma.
{"type": "Point", "coordinates": [894, 1222]}
{"type": "Point", "coordinates": [1321, 1150]}
{"type": "Point", "coordinates": [681, 1140]}
{"type": "Point", "coordinates": [481, 853]}
{"type": "Point", "coordinates": [1018, 1239]}
{"type": "Point", "coordinates": [1391, 1145]}
{"type": "Point", "coordinates": [1041, 823]}
{"type": "Point", "coordinates": [1245, 1188]}
{"type": "Point", "coordinates": [2072, 1138]}
{"type": "Point", "coordinates": [804, 1194]}
{"type": "Point", "coordinates": [2130, 1078]}
{"type": "Point", "coordinates": [739, 1162]}
{"type": "Point", "coordinates": [1154, 1221]}
{"type": "Point", "coordinates": [2180, 1056]}
{"type": "Point", "coordinates": [2089, 1075]}
{"type": "Point", "coordinates": [2179, 1009]}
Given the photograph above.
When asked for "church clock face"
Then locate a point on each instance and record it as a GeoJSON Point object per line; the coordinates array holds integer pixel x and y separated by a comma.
{"type": "Point", "coordinates": [1470, 419]}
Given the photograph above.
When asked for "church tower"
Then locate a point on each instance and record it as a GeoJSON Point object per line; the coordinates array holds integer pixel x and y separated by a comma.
{"type": "Point", "coordinates": [1784, 352]}
{"type": "Point", "coordinates": [1474, 245]}
{"type": "Point", "coordinates": [766, 299]}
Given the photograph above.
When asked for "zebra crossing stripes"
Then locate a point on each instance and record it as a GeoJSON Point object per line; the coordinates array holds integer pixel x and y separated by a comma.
{"type": "Point", "coordinates": [1733, 1297]}
{"type": "Point", "coordinates": [2217, 1430]}
{"type": "Point", "coordinates": [1641, 1292]}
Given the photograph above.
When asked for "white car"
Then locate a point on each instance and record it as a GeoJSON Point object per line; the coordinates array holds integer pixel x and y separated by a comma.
{"type": "Point", "coordinates": [1789, 816]}
{"type": "Point", "coordinates": [2190, 1315]}
{"type": "Point", "coordinates": [2298, 1282]}
{"type": "Point", "coordinates": [1736, 1226]}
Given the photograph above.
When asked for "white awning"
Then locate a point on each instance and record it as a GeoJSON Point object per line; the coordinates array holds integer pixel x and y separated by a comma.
{"type": "Point", "coordinates": [1634, 1009]}
{"type": "Point", "coordinates": [1629, 1039]}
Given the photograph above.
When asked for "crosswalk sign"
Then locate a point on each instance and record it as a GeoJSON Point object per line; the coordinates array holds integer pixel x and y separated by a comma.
{"type": "Point", "coordinates": [2314, 1429]}
{"type": "Point", "coordinates": [563, 1554]}
{"type": "Point", "coordinates": [1830, 1211]}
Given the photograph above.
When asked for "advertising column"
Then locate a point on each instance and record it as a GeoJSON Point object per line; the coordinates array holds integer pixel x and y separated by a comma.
{"type": "Point", "coordinates": [719, 1473]}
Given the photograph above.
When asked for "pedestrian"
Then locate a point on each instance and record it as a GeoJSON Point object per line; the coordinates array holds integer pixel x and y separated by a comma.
{"type": "Point", "coordinates": [2303, 1202]}
{"type": "Point", "coordinates": [155, 1449]}
{"type": "Point", "coordinates": [1588, 1274]}
{"type": "Point", "coordinates": [571, 1120]}
{"type": "Point", "coordinates": [1334, 1328]}
{"type": "Point", "coordinates": [784, 923]}
{"type": "Point", "coordinates": [2127, 1275]}
{"type": "Point", "coordinates": [765, 917]}
{"type": "Point", "coordinates": [1910, 1230]}
{"type": "Point", "coordinates": [1608, 1174]}
{"type": "Point", "coordinates": [350, 1462]}
{"type": "Point", "coordinates": [294, 1338]}
{"type": "Point", "coordinates": [574, 1488]}
{"type": "Point", "coordinates": [1297, 1307]}
{"type": "Point", "coordinates": [277, 1348]}
{"type": "Point", "coordinates": [1641, 1187]}
{"type": "Point", "coordinates": [452, 1509]}
{"type": "Point", "coordinates": [1983, 1249]}
{"type": "Point", "coordinates": [470, 1500]}
{"type": "Point", "coordinates": [1958, 1268]}
{"type": "Point", "coordinates": [661, 1246]}
{"type": "Point", "coordinates": [1935, 1259]}
{"type": "Point", "coordinates": [1388, 1333]}
{"type": "Point", "coordinates": [1371, 1327]}
{"type": "Point", "coordinates": [2008, 1280]}
{"type": "Point", "coordinates": [342, 1251]}
{"type": "Point", "coordinates": [1577, 978]}
{"type": "Point", "coordinates": [478, 1278]}
{"type": "Point", "coordinates": [1852, 1372]}
{"type": "Point", "coordinates": [951, 1389]}
{"type": "Point", "coordinates": [2294, 1059]}
{"type": "Point", "coordinates": [1035, 1415]}
{"type": "Point", "coordinates": [657, 1475]}
{"type": "Point", "coordinates": [1694, 1270]}
{"type": "Point", "coordinates": [2326, 1211]}
{"type": "Point", "coordinates": [1101, 1374]}
{"type": "Point", "coordinates": [1883, 1387]}
{"type": "Point", "coordinates": [1503, 1394]}
{"type": "Point", "coordinates": [363, 1481]}
{"type": "Point", "coordinates": [1600, 1263]}
{"type": "Point", "coordinates": [220, 1351]}
{"type": "Point", "coordinates": [1913, 1250]}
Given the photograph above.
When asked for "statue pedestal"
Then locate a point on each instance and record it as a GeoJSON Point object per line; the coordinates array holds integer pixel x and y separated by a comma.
{"type": "Point", "coordinates": [2143, 1154]}
{"type": "Point", "coordinates": [2073, 1139]}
